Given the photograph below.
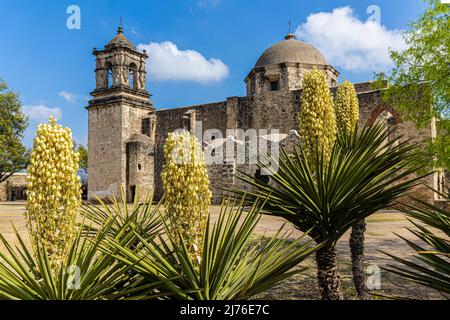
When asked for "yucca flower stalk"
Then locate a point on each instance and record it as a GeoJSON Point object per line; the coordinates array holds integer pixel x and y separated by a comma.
{"type": "Point", "coordinates": [317, 121]}
{"type": "Point", "coordinates": [186, 186]}
{"type": "Point", "coordinates": [54, 192]}
{"type": "Point", "coordinates": [347, 116]}
{"type": "Point", "coordinates": [346, 106]}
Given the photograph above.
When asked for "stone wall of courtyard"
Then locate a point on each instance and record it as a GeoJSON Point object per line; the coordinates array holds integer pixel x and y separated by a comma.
{"type": "Point", "coordinates": [270, 110]}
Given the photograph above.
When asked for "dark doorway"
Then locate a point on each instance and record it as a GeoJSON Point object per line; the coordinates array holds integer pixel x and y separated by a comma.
{"type": "Point", "coordinates": [18, 193]}
{"type": "Point", "coordinates": [132, 193]}
{"type": "Point", "coordinates": [261, 178]}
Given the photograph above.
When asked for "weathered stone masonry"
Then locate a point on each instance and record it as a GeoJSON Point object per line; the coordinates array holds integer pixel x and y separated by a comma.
{"type": "Point", "coordinates": [127, 134]}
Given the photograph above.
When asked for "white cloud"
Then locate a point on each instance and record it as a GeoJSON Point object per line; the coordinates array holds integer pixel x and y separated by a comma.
{"type": "Point", "coordinates": [68, 96]}
{"type": "Point", "coordinates": [41, 112]}
{"type": "Point", "coordinates": [167, 62]}
{"type": "Point", "coordinates": [350, 43]}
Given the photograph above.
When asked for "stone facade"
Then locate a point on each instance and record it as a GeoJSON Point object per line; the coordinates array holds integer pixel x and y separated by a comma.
{"type": "Point", "coordinates": [127, 134]}
{"type": "Point", "coordinates": [14, 188]}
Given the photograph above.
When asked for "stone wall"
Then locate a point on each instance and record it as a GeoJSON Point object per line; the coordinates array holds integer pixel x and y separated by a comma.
{"type": "Point", "coordinates": [14, 184]}
{"type": "Point", "coordinates": [105, 151]}
{"type": "Point", "coordinates": [140, 167]}
{"type": "Point", "coordinates": [117, 157]}
{"type": "Point", "coordinates": [211, 116]}
{"type": "Point", "coordinates": [269, 110]}
{"type": "Point", "coordinates": [289, 76]}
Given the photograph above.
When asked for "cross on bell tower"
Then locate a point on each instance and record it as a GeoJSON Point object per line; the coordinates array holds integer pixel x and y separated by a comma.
{"type": "Point", "coordinates": [120, 69]}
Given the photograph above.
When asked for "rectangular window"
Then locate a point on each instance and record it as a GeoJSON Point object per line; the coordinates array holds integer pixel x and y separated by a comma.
{"type": "Point", "coordinates": [274, 85]}
{"type": "Point", "coordinates": [145, 126]}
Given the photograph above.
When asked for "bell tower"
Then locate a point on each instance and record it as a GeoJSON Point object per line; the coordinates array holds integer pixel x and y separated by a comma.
{"type": "Point", "coordinates": [120, 102]}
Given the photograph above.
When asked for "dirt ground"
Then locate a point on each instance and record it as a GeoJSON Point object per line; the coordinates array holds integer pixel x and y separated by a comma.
{"type": "Point", "coordinates": [379, 236]}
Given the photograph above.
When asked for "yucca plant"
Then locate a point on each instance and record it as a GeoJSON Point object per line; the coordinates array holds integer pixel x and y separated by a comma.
{"type": "Point", "coordinates": [431, 267]}
{"type": "Point", "coordinates": [124, 219]}
{"type": "Point", "coordinates": [328, 198]}
{"type": "Point", "coordinates": [26, 273]}
{"type": "Point", "coordinates": [186, 187]}
{"type": "Point", "coordinates": [233, 264]}
{"type": "Point", "coordinates": [54, 191]}
{"type": "Point", "coordinates": [316, 119]}
{"type": "Point", "coordinates": [346, 106]}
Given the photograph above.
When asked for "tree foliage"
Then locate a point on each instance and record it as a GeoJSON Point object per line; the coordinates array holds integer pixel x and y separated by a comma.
{"type": "Point", "coordinates": [420, 79]}
{"type": "Point", "coordinates": [83, 157]}
{"type": "Point", "coordinates": [327, 198]}
{"type": "Point", "coordinates": [82, 163]}
{"type": "Point", "coordinates": [13, 155]}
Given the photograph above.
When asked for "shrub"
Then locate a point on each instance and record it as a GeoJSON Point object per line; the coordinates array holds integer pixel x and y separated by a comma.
{"type": "Point", "coordinates": [431, 264]}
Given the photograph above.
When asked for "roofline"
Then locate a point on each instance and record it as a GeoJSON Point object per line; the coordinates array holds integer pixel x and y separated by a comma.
{"type": "Point", "coordinates": [286, 64]}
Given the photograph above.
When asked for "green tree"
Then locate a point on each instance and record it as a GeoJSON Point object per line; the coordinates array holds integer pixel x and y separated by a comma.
{"type": "Point", "coordinates": [420, 79]}
{"type": "Point", "coordinates": [13, 155]}
{"type": "Point", "coordinates": [83, 154]}
{"type": "Point", "coordinates": [82, 163]}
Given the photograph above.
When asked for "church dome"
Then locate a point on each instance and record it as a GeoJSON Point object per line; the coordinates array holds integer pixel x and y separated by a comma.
{"type": "Point", "coordinates": [291, 50]}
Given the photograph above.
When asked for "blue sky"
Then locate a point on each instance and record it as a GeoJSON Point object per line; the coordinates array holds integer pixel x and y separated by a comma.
{"type": "Point", "coordinates": [52, 66]}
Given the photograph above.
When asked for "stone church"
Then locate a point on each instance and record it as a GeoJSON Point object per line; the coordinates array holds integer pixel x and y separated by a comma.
{"type": "Point", "coordinates": [127, 132]}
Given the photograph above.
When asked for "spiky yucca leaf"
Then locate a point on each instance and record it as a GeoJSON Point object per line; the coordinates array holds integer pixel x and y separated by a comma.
{"type": "Point", "coordinates": [141, 217]}
{"type": "Point", "coordinates": [232, 265]}
{"type": "Point", "coordinates": [432, 265]}
{"type": "Point", "coordinates": [363, 175]}
{"type": "Point", "coordinates": [26, 274]}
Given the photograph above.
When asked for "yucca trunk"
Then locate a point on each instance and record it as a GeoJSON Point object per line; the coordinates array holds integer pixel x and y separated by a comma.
{"type": "Point", "coordinates": [347, 115]}
{"type": "Point", "coordinates": [328, 273]}
{"type": "Point", "coordinates": [357, 254]}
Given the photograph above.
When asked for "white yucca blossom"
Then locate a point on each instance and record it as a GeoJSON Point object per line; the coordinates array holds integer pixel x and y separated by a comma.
{"type": "Point", "coordinates": [317, 122]}
{"type": "Point", "coordinates": [347, 107]}
{"type": "Point", "coordinates": [54, 191]}
{"type": "Point", "coordinates": [186, 186]}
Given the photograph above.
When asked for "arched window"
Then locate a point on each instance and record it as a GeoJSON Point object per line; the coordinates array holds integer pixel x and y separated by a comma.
{"type": "Point", "coordinates": [213, 151]}
{"type": "Point", "coordinates": [132, 80]}
{"type": "Point", "coordinates": [109, 75]}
